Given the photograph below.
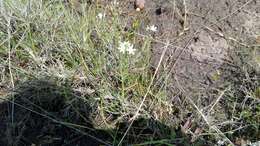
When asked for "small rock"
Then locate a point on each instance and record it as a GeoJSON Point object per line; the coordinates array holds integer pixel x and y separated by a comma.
{"type": "Point", "coordinates": [139, 4]}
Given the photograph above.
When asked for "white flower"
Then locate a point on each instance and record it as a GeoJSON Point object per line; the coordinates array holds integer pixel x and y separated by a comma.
{"type": "Point", "coordinates": [126, 47]}
{"type": "Point", "coordinates": [221, 142]}
{"type": "Point", "coordinates": [152, 28]}
{"type": "Point", "coordinates": [101, 15]}
{"type": "Point", "coordinates": [122, 47]}
{"type": "Point", "coordinates": [131, 50]}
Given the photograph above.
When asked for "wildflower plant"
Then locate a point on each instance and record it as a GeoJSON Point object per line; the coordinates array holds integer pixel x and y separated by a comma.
{"type": "Point", "coordinates": [118, 61]}
{"type": "Point", "coordinates": [126, 47]}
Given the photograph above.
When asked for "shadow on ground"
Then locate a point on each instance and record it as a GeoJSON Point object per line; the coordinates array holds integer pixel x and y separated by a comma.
{"type": "Point", "coordinates": [40, 112]}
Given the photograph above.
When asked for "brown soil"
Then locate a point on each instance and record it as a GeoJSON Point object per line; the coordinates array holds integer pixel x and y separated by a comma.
{"type": "Point", "coordinates": [201, 35]}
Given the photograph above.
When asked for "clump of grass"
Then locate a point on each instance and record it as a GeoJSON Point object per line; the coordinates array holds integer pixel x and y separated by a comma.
{"type": "Point", "coordinates": [40, 38]}
{"type": "Point", "coordinates": [242, 100]}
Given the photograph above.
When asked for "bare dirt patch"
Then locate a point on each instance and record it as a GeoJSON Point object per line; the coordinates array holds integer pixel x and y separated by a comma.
{"type": "Point", "coordinates": [200, 34]}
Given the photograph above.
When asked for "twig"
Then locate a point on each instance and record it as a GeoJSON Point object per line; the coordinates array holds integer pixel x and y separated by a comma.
{"type": "Point", "coordinates": [224, 36]}
{"type": "Point", "coordinates": [185, 16]}
{"type": "Point", "coordinates": [182, 51]}
{"type": "Point", "coordinates": [236, 10]}
{"type": "Point", "coordinates": [10, 64]}
{"type": "Point", "coordinates": [219, 97]}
